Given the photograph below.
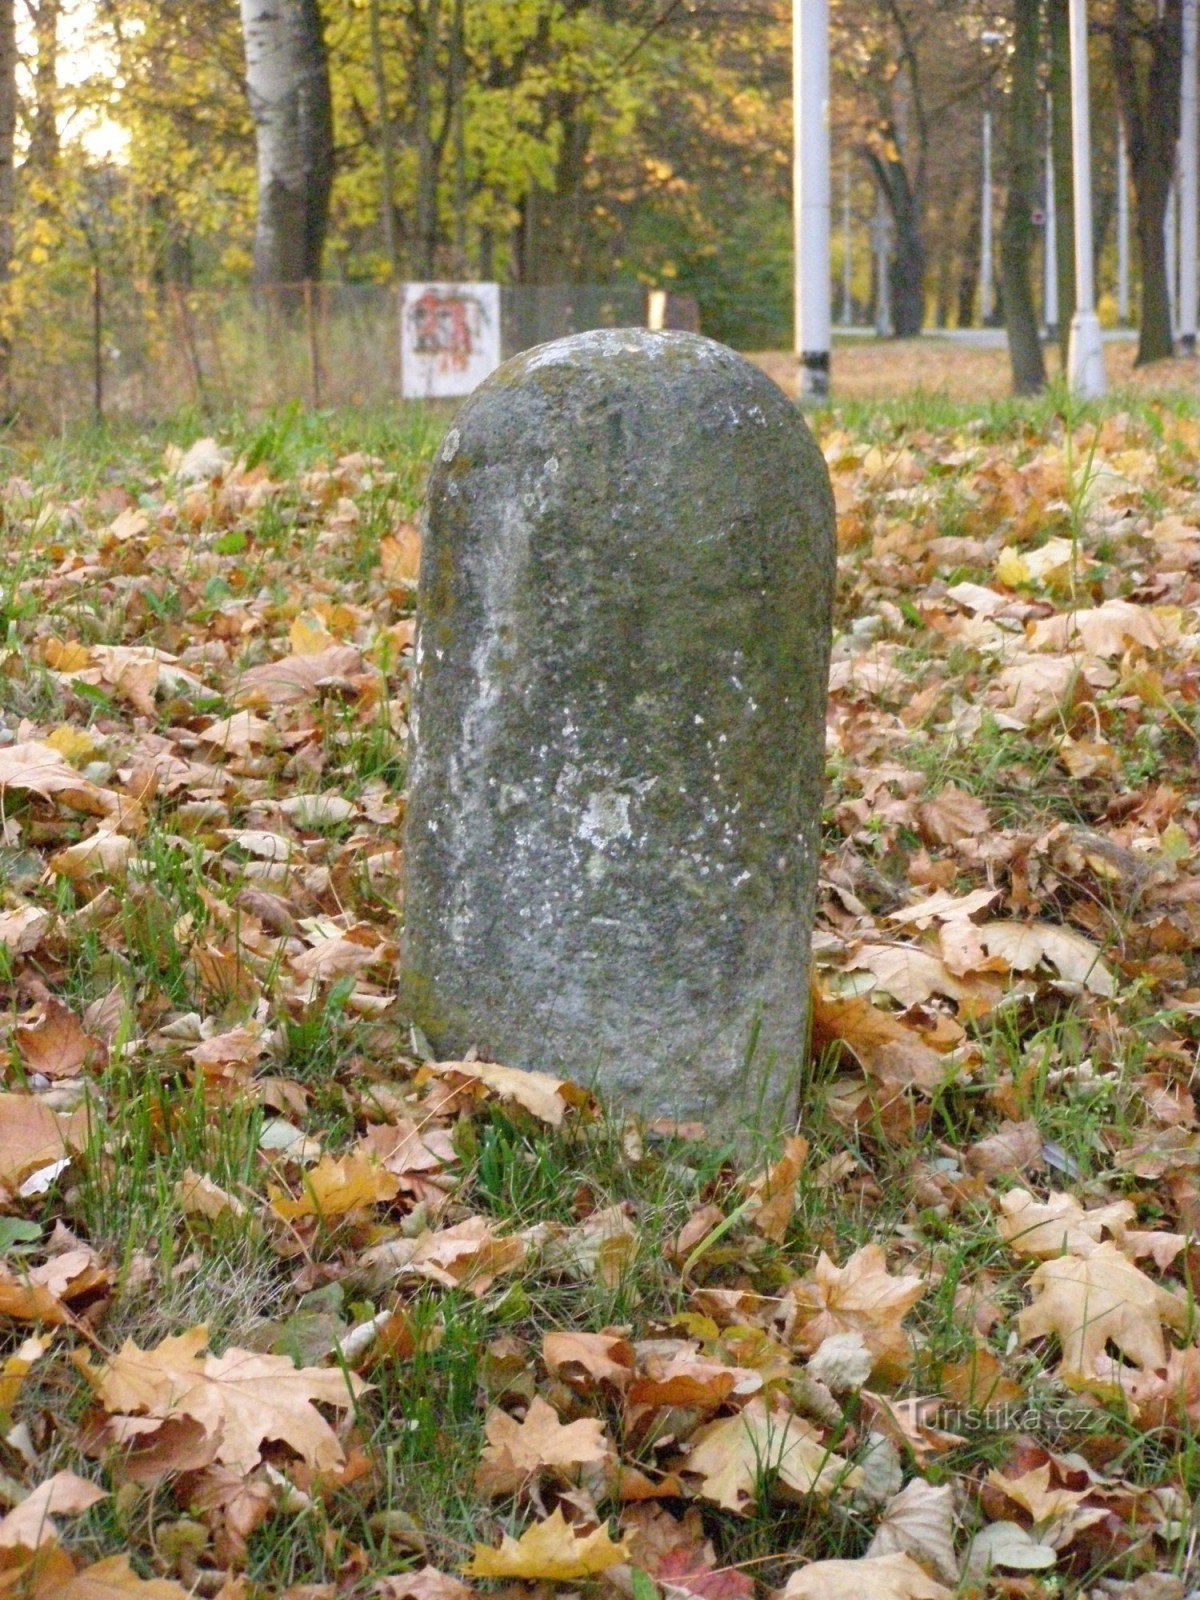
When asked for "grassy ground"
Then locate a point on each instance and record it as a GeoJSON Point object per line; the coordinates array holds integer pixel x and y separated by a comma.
{"type": "Point", "coordinates": [213, 1119]}
{"type": "Point", "coordinates": [869, 369]}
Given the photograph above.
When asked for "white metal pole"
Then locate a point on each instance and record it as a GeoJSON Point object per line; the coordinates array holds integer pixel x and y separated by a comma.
{"type": "Point", "coordinates": [883, 283]}
{"type": "Point", "coordinates": [1085, 359]}
{"type": "Point", "coordinates": [1050, 232]}
{"type": "Point", "coordinates": [1171, 246]}
{"type": "Point", "coordinates": [986, 301]}
{"type": "Point", "coordinates": [810, 110]}
{"type": "Point", "coordinates": [847, 302]}
{"type": "Point", "coordinates": [1122, 224]}
{"type": "Point", "coordinates": [1188, 191]}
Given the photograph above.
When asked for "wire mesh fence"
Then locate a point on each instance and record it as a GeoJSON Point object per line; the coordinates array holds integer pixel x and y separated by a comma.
{"type": "Point", "coordinates": [125, 349]}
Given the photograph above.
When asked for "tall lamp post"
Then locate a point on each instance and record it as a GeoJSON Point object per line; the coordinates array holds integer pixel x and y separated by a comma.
{"type": "Point", "coordinates": [847, 296]}
{"type": "Point", "coordinates": [1050, 234]}
{"type": "Point", "coordinates": [1122, 225]}
{"type": "Point", "coordinates": [987, 276]}
{"type": "Point", "coordinates": [1085, 354]}
{"type": "Point", "coordinates": [986, 302]}
{"type": "Point", "coordinates": [810, 204]}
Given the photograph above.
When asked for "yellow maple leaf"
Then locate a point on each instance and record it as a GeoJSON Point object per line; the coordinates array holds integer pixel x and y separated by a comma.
{"type": "Point", "coordinates": [14, 1370]}
{"type": "Point", "coordinates": [549, 1551]}
{"type": "Point", "coordinates": [400, 555]}
{"type": "Point", "coordinates": [66, 655]}
{"type": "Point", "coordinates": [333, 1188]}
{"type": "Point", "coordinates": [308, 635]}
{"type": "Point", "coordinates": [73, 744]}
{"type": "Point", "coordinates": [1010, 569]}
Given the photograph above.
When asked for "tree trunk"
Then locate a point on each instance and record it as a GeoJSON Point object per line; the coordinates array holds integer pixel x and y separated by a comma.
{"type": "Point", "coordinates": [1156, 340]}
{"type": "Point", "coordinates": [387, 164]}
{"type": "Point", "coordinates": [1018, 233]}
{"type": "Point", "coordinates": [427, 150]}
{"type": "Point", "coordinates": [1059, 25]}
{"type": "Point", "coordinates": [8, 189]}
{"type": "Point", "coordinates": [287, 84]}
{"type": "Point", "coordinates": [458, 86]}
{"type": "Point", "coordinates": [1147, 57]}
{"type": "Point", "coordinates": [43, 134]}
{"type": "Point", "coordinates": [906, 272]}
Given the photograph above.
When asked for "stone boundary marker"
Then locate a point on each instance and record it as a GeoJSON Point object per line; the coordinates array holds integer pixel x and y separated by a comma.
{"type": "Point", "coordinates": [618, 727]}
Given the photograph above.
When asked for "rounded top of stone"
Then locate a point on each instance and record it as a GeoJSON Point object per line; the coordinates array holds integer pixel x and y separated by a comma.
{"type": "Point", "coordinates": [604, 343]}
{"type": "Point", "coordinates": [617, 354]}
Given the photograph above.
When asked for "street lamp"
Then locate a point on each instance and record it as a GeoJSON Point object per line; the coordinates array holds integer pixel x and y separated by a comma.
{"type": "Point", "coordinates": [810, 202]}
{"type": "Point", "coordinates": [1085, 355]}
{"type": "Point", "coordinates": [1050, 233]}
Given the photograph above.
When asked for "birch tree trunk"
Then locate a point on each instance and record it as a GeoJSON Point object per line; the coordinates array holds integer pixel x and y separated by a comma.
{"type": "Point", "coordinates": [287, 84]}
{"type": "Point", "coordinates": [8, 188]}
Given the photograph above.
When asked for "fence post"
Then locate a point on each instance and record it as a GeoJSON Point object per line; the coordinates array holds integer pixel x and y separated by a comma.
{"type": "Point", "coordinates": [189, 345]}
{"type": "Point", "coordinates": [97, 344]}
{"type": "Point", "coordinates": [314, 354]}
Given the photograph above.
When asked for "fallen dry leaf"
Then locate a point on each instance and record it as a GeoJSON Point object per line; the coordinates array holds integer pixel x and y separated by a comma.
{"type": "Point", "coordinates": [470, 1255]}
{"type": "Point", "coordinates": [888, 1051]}
{"type": "Point", "coordinates": [516, 1452]}
{"type": "Point", "coordinates": [53, 1043]}
{"type": "Point", "coordinates": [734, 1456]}
{"type": "Point", "coordinates": [546, 1098]}
{"type": "Point", "coordinates": [33, 1136]}
{"type": "Point", "coordinates": [296, 679]}
{"type": "Point", "coordinates": [1058, 1514]}
{"type": "Point", "coordinates": [886, 1577]}
{"type": "Point", "coordinates": [1059, 1225]}
{"type": "Point", "coordinates": [334, 1188]}
{"type": "Point", "coordinates": [243, 1398]}
{"type": "Point", "coordinates": [30, 1524]}
{"type": "Point", "coordinates": [586, 1361]}
{"type": "Point", "coordinates": [919, 1522]}
{"type": "Point", "coordinates": [1024, 945]}
{"type": "Point", "coordinates": [862, 1297]}
{"type": "Point", "coordinates": [1088, 1301]}
{"type": "Point", "coordinates": [115, 1579]}
{"type": "Point", "coordinates": [549, 1551]}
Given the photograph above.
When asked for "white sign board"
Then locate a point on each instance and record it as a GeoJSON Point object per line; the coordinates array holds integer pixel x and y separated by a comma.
{"type": "Point", "coordinates": [449, 338]}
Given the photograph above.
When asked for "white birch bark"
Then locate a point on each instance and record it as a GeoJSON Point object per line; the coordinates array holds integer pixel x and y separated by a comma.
{"type": "Point", "coordinates": [8, 129]}
{"type": "Point", "coordinates": [287, 85]}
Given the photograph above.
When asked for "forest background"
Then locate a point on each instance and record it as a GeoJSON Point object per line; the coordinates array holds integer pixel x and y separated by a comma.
{"type": "Point", "coordinates": [604, 142]}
